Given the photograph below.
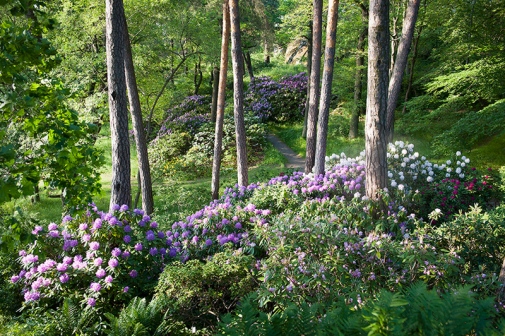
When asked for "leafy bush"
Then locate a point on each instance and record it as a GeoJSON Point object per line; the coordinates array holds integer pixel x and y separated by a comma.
{"type": "Point", "coordinates": [477, 237]}
{"type": "Point", "coordinates": [281, 102]}
{"type": "Point", "coordinates": [413, 311]}
{"type": "Point", "coordinates": [188, 116]}
{"type": "Point", "coordinates": [196, 292]}
{"type": "Point", "coordinates": [166, 148]}
{"type": "Point", "coordinates": [99, 259]}
{"type": "Point", "coordinates": [472, 128]}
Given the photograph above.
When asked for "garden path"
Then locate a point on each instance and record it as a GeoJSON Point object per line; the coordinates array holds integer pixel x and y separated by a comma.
{"type": "Point", "coordinates": [294, 160]}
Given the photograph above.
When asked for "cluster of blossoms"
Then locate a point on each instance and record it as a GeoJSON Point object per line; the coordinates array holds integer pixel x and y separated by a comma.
{"type": "Point", "coordinates": [280, 101]}
{"type": "Point", "coordinates": [188, 116]}
{"type": "Point", "coordinates": [97, 252]}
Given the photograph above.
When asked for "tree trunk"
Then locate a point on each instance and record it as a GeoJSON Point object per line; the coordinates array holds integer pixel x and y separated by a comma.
{"type": "Point", "coordinates": [309, 69]}
{"type": "Point", "coordinates": [377, 93]}
{"type": "Point", "coordinates": [144, 173]}
{"type": "Point", "coordinates": [121, 185]}
{"type": "Point", "coordinates": [314, 86]}
{"type": "Point", "coordinates": [412, 65]}
{"type": "Point", "coordinates": [238, 93]}
{"type": "Point", "coordinates": [215, 90]}
{"type": "Point", "coordinates": [358, 85]}
{"type": "Point", "coordinates": [248, 63]}
{"type": "Point", "coordinates": [198, 78]}
{"type": "Point", "coordinates": [324, 106]}
{"type": "Point", "coordinates": [266, 51]}
{"type": "Point", "coordinates": [221, 96]}
{"type": "Point", "coordinates": [395, 83]}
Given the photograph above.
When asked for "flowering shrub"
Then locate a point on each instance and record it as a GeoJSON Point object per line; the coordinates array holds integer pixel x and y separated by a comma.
{"type": "Point", "coordinates": [188, 116]}
{"type": "Point", "coordinates": [98, 258]}
{"type": "Point", "coordinates": [278, 101]}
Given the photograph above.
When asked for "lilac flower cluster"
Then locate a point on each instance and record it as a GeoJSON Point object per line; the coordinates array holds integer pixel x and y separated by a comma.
{"type": "Point", "coordinates": [91, 253]}
{"type": "Point", "coordinates": [280, 101]}
{"type": "Point", "coordinates": [188, 116]}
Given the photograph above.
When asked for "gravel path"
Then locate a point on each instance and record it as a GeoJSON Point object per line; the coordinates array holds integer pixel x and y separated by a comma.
{"type": "Point", "coordinates": [294, 160]}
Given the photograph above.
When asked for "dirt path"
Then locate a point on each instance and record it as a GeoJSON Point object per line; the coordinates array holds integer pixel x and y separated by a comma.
{"type": "Point", "coordinates": [294, 160]}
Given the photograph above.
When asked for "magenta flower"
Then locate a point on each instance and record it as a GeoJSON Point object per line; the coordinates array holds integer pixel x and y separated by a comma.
{"type": "Point", "coordinates": [52, 226]}
{"type": "Point", "coordinates": [138, 247]}
{"type": "Point", "coordinates": [109, 279]}
{"type": "Point", "coordinates": [83, 227]}
{"type": "Point", "coordinates": [100, 273]}
{"type": "Point", "coordinates": [64, 278]}
{"type": "Point", "coordinates": [95, 287]}
{"type": "Point", "coordinates": [98, 261]}
{"type": "Point", "coordinates": [133, 273]}
{"type": "Point", "coordinates": [123, 208]}
{"type": "Point", "coordinates": [126, 289]}
{"type": "Point", "coordinates": [116, 252]}
{"type": "Point", "coordinates": [15, 278]}
{"type": "Point", "coordinates": [94, 245]}
{"type": "Point", "coordinates": [91, 302]}
{"type": "Point", "coordinates": [113, 263]}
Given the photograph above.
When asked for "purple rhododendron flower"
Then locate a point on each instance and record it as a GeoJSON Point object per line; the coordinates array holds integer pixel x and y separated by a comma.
{"type": "Point", "coordinates": [125, 254]}
{"type": "Point", "coordinates": [116, 252]}
{"type": "Point", "coordinates": [123, 208]}
{"type": "Point", "coordinates": [83, 226]}
{"type": "Point", "coordinates": [66, 219]}
{"type": "Point", "coordinates": [97, 224]}
{"type": "Point", "coordinates": [37, 229]}
{"type": "Point", "coordinates": [95, 287]}
{"type": "Point", "coordinates": [126, 289]}
{"type": "Point", "coordinates": [133, 273]}
{"type": "Point", "coordinates": [153, 225]}
{"type": "Point", "coordinates": [98, 262]}
{"type": "Point", "coordinates": [116, 207]}
{"type": "Point", "coordinates": [91, 302]}
{"type": "Point", "coordinates": [64, 278]}
{"type": "Point", "coordinates": [15, 278]}
{"type": "Point", "coordinates": [100, 273]}
{"type": "Point", "coordinates": [113, 263]}
{"type": "Point", "coordinates": [61, 267]}
{"type": "Point", "coordinates": [109, 279]}
{"type": "Point", "coordinates": [113, 221]}
{"type": "Point", "coordinates": [153, 251]}
{"type": "Point", "coordinates": [127, 228]}
{"type": "Point", "coordinates": [86, 238]}
{"type": "Point", "coordinates": [22, 253]}
{"type": "Point", "coordinates": [127, 239]}
{"type": "Point", "coordinates": [94, 245]}
{"type": "Point", "coordinates": [52, 226]}
{"type": "Point", "coordinates": [138, 247]}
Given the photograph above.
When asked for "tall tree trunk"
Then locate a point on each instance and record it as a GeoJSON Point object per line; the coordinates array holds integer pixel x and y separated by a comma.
{"type": "Point", "coordinates": [395, 83]}
{"type": "Point", "coordinates": [412, 65]}
{"type": "Point", "coordinates": [314, 86]}
{"type": "Point", "coordinates": [238, 93]}
{"type": "Point", "coordinates": [144, 173]}
{"type": "Point", "coordinates": [358, 85]}
{"type": "Point", "coordinates": [198, 78]}
{"type": "Point", "coordinates": [221, 96]}
{"type": "Point", "coordinates": [121, 185]}
{"type": "Point", "coordinates": [266, 51]}
{"type": "Point", "coordinates": [377, 94]}
{"type": "Point", "coordinates": [324, 106]}
{"type": "Point", "coordinates": [309, 69]}
{"type": "Point", "coordinates": [215, 90]}
{"type": "Point", "coordinates": [248, 63]}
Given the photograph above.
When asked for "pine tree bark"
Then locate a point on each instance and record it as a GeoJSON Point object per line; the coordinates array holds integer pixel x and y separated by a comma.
{"type": "Point", "coordinates": [412, 66]}
{"type": "Point", "coordinates": [215, 90]}
{"type": "Point", "coordinates": [315, 75]}
{"type": "Point", "coordinates": [144, 173]}
{"type": "Point", "coordinates": [359, 108]}
{"type": "Point", "coordinates": [248, 63]}
{"type": "Point", "coordinates": [221, 96]}
{"type": "Point", "coordinates": [121, 185]}
{"type": "Point", "coordinates": [377, 95]}
{"type": "Point", "coordinates": [309, 69]}
{"type": "Point", "coordinates": [395, 83]}
{"type": "Point", "coordinates": [238, 93]}
{"type": "Point", "coordinates": [324, 105]}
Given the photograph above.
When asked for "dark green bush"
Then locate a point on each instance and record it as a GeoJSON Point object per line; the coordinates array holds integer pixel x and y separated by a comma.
{"type": "Point", "coordinates": [196, 293]}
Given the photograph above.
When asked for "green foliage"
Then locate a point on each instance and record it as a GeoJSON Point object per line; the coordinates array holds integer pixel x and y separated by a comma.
{"type": "Point", "coordinates": [136, 319]}
{"type": "Point", "coordinates": [414, 311]}
{"type": "Point", "coordinates": [197, 292]}
{"type": "Point", "coordinates": [41, 137]}
{"type": "Point", "coordinates": [477, 237]}
{"type": "Point", "coordinates": [473, 128]}
{"type": "Point", "coordinates": [167, 148]}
